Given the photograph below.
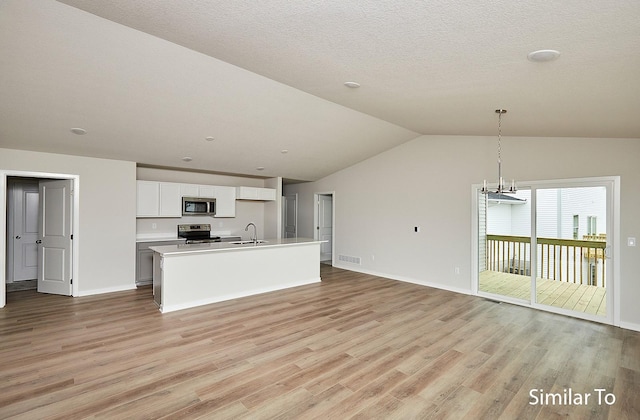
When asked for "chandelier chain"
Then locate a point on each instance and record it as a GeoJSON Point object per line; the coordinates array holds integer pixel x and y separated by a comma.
{"type": "Point", "coordinates": [500, 136]}
{"type": "Point", "coordinates": [501, 189]}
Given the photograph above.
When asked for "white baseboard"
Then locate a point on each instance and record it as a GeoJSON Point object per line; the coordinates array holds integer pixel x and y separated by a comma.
{"type": "Point", "coordinates": [106, 290]}
{"type": "Point", "coordinates": [626, 325]}
{"type": "Point", "coordinates": [406, 279]}
{"type": "Point", "coordinates": [630, 326]}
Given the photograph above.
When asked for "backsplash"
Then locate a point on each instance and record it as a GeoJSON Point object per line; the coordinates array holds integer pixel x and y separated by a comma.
{"type": "Point", "coordinates": [245, 212]}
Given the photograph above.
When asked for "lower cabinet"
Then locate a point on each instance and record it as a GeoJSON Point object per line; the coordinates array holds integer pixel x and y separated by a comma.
{"type": "Point", "coordinates": [144, 260]}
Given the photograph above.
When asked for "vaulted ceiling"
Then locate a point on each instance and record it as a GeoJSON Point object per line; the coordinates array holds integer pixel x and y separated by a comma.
{"type": "Point", "coordinates": [150, 80]}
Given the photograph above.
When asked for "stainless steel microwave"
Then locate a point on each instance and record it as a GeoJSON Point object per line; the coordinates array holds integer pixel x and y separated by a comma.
{"type": "Point", "coordinates": [198, 206]}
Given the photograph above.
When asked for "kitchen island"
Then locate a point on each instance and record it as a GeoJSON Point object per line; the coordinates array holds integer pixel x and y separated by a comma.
{"type": "Point", "coordinates": [189, 275]}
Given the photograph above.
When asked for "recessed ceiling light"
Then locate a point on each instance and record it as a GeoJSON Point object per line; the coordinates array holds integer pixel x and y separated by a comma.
{"type": "Point", "coordinates": [543, 55]}
{"type": "Point", "coordinates": [352, 85]}
{"type": "Point", "coordinates": [79, 131]}
{"type": "Point", "coordinates": [209, 138]}
{"type": "Point", "coordinates": [260, 168]}
{"type": "Point", "coordinates": [284, 151]}
{"type": "Point", "coordinates": [187, 158]}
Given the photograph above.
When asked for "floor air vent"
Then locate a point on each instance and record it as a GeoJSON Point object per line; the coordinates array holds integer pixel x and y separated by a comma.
{"type": "Point", "coordinates": [346, 258]}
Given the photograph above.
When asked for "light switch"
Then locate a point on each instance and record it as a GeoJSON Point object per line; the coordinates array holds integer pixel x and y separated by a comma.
{"type": "Point", "coordinates": [631, 241]}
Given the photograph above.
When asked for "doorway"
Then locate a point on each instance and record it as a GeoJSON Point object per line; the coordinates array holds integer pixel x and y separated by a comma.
{"type": "Point", "coordinates": [550, 246]}
{"type": "Point", "coordinates": [290, 216]}
{"type": "Point", "coordinates": [50, 255]}
{"type": "Point", "coordinates": [324, 225]}
{"type": "Point", "coordinates": [22, 233]}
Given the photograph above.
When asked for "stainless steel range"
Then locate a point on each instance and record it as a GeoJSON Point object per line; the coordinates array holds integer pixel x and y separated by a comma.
{"type": "Point", "coordinates": [197, 234]}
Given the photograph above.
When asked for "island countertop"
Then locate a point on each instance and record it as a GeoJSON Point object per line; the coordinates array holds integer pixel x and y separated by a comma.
{"type": "Point", "coordinates": [169, 250]}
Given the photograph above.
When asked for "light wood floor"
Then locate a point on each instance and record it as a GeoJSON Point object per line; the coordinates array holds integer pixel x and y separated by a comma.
{"type": "Point", "coordinates": [576, 297]}
{"type": "Point", "coordinates": [353, 346]}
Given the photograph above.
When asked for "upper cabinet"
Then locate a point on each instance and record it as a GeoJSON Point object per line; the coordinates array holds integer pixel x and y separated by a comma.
{"type": "Point", "coordinates": [164, 199]}
{"type": "Point", "coordinates": [225, 201]}
{"type": "Point", "coordinates": [148, 199]}
{"type": "Point", "coordinates": [189, 190]}
{"type": "Point", "coordinates": [158, 199]}
{"type": "Point", "coordinates": [225, 197]}
{"type": "Point", "coordinates": [255, 193]}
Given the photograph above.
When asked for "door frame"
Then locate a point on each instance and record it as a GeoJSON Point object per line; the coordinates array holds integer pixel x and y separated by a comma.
{"type": "Point", "coordinates": [75, 246]}
{"type": "Point", "coordinates": [316, 197]}
{"type": "Point", "coordinates": [613, 219]}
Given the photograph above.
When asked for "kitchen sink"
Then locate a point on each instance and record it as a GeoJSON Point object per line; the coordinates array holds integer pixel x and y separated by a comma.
{"type": "Point", "coordinates": [247, 242]}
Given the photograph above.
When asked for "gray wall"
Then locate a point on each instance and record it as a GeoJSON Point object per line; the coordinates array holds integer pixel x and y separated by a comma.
{"type": "Point", "coordinates": [107, 230]}
{"type": "Point", "coordinates": [427, 182]}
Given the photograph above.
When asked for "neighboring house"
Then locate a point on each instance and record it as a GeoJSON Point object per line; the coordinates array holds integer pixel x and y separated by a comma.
{"type": "Point", "coordinates": [566, 213]}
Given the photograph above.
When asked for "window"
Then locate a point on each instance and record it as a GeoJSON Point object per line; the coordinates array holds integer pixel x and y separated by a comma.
{"type": "Point", "coordinates": [592, 225]}
{"type": "Point", "coordinates": [576, 225]}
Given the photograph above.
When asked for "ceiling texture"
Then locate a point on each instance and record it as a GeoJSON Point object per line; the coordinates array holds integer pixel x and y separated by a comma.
{"type": "Point", "coordinates": [150, 80]}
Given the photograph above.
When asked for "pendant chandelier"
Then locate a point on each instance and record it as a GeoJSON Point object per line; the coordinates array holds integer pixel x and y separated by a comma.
{"type": "Point", "coordinates": [501, 189]}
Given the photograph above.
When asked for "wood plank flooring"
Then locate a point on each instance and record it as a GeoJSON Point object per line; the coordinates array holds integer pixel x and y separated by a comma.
{"type": "Point", "coordinates": [576, 297]}
{"type": "Point", "coordinates": [353, 346]}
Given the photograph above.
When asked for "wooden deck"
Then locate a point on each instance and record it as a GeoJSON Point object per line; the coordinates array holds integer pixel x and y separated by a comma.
{"type": "Point", "coordinates": [576, 297]}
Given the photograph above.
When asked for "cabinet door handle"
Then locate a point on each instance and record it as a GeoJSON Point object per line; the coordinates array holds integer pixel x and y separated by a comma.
{"type": "Point", "coordinates": [39, 241]}
{"type": "Point", "coordinates": [18, 236]}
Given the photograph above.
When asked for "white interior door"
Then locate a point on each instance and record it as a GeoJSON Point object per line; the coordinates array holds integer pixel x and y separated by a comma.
{"type": "Point", "coordinates": [25, 230]}
{"type": "Point", "coordinates": [54, 250]}
{"type": "Point", "coordinates": [325, 225]}
{"type": "Point", "coordinates": [291, 216]}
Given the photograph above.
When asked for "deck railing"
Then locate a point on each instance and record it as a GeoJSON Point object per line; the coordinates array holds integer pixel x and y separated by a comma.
{"type": "Point", "coordinates": [567, 260]}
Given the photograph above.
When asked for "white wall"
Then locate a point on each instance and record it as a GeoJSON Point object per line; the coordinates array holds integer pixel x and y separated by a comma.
{"type": "Point", "coordinates": [107, 226]}
{"type": "Point", "coordinates": [427, 182]}
{"type": "Point", "coordinates": [273, 210]}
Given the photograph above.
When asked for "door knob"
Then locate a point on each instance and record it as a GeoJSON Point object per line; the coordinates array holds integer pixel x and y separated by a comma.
{"type": "Point", "coordinates": [39, 241]}
{"type": "Point", "coordinates": [17, 236]}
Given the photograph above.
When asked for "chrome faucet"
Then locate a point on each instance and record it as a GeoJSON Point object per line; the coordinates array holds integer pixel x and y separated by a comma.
{"type": "Point", "coordinates": [255, 233]}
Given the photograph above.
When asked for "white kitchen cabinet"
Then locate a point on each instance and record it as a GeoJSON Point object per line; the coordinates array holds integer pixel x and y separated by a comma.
{"type": "Point", "coordinates": [164, 199]}
{"type": "Point", "coordinates": [189, 190]}
{"type": "Point", "coordinates": [207, 191]}
{"type": "Point", "coordinates": [158, 199]}
{"type": "Point", "coordinates": [255, 193]}
{"type": "Point", "coordinates": [170, 200]}
{"type": "Point", "coordinates": [267, 194]}
{"type": "Point", "coordinates": [225, 201]}
{"type": "Point", "coordinates": [148, 199]}
{"type": "Point", "coordinates": [225, 197]}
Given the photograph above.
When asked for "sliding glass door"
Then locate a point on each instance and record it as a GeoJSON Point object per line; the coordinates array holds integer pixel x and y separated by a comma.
{"type": "Point", "coordinates": [572, 250]}
{"type": "Point", "coordinates": [548, 246]}
{"type": "Point", "coordinates": [505, 244]}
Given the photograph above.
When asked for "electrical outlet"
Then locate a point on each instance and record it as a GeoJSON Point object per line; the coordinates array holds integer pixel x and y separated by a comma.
{"type": "Point", "coordinates": [456, 270]}
{"type": "Point", "coordinates": [631, 241]}
{"type": "Point", "coordinates": [154, 226]}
